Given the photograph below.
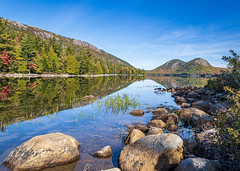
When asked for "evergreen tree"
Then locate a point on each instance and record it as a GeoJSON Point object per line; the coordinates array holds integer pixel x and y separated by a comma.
{"type": "Point", "coordinates": [39, 63]}
{"type": "Point", "coordinates": [72, 65]}
{"type": "Point", "coordinates": [52, 60]}
{"type": "Point", "coordinates": [62, 61]}
{"type": "Point", "coordinates": [44, 60]}
{"type": "Point", "coordinates": [99, 68]}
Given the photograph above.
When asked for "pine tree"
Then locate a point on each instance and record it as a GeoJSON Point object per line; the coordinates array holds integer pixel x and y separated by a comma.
{"type": "Point", "coordinates": [72, 65]}
{"type": "Point", "coordinates": [53, 63]}
{"type": "Point", "coordinates": [99, 69]}
{"type": "Point", "coordinates": [44, 60]}
{"type": "Point", "coordinates": [62, 61]}
{"type": "Point", "coordinates": [39, 63]}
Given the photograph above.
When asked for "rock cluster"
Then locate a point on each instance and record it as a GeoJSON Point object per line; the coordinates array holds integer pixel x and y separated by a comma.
{"type": "Point", "coordinates": [152, 149]}
{"type": "Point", "coordinates": [152, 152]}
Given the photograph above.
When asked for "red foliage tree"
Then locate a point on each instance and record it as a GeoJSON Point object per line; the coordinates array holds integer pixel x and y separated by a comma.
{"type": "Point", "coordinates": [7, 60]}
{"type": "Point", "coordinates": [5, 92]}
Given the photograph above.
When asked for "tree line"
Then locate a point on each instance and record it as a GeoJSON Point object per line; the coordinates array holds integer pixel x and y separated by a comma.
{"type": "Point", "coordinates": [22, 51]}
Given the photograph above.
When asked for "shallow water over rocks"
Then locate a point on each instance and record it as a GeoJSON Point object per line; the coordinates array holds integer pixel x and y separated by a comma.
{"type": "Point", "coordinates": [37, 106]}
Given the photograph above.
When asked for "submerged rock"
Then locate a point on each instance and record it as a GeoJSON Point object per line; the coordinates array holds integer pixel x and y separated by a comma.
{"type": "Point", "coordinates": [152, 152]}
{"type": "Point", "coordinates": [43, 151]}
{"type": "Point", "coordinates": [137, 112]}
{"type": "Point", "coordinates": [133, 136]}
{"type": "Point", "coordinates": [197, 164]}
{"type": "Point", "coordinates": [160, 111]}
{"type": "Point", "coordinates": [104, 152]}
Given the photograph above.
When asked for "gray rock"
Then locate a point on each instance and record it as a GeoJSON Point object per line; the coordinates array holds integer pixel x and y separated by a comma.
{"type": "Point", "coordinates": [43, 151]}
{"type": "Point", "coordinates": [152, 152]}
{"type": "Point", "coordinates": [198, 164]}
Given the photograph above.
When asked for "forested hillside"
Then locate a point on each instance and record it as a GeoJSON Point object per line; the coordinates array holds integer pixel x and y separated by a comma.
{"type": "Point", "coordinates": [27, 49]}
{"type": "Point", "coordinates": [196, 66]}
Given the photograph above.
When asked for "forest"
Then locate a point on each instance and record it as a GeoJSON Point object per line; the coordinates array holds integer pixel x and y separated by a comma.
{"type": "Point", "coordinates": [22, 51]}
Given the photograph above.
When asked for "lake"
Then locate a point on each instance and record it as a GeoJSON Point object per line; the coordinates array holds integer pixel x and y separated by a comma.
{"type": "Point", "coordinates": [80, 107]}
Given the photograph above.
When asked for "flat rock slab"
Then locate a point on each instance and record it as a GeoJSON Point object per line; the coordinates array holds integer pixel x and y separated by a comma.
{"type": "Point", "coordinates": [152, 152]}
{"type": "Point", "coordinates": [43, 151]}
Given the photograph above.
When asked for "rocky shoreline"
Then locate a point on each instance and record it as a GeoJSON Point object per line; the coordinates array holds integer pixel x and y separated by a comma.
{"type": "Point", "coordinates": [157, 145]}
{"type": "Point", "coordinates": [200, 153]}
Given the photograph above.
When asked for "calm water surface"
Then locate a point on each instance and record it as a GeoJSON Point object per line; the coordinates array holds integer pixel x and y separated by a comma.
{"type": "Point", "coordinates": [31, 107]}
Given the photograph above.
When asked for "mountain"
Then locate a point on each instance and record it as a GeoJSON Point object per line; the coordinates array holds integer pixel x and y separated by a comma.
{"type": "Point", "coordinates": [169, 66]}
{"type": "Point", "coordinates": [195, 66]}
{"type": "Point", "coordinates": [30, 49]}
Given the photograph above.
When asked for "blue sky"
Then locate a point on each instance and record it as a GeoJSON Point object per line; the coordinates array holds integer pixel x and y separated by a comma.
{"type": "Point", "coordinates": [145, 33]}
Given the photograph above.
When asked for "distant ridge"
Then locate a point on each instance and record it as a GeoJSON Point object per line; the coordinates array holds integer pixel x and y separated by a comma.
{"type": "Point", "coordinates": [195, 66]}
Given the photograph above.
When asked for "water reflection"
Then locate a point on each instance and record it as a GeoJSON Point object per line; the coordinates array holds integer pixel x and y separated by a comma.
{"type": "Point", "coordinates": [23, 99]}
{"type": "Point", "coordinates": [169, 82]}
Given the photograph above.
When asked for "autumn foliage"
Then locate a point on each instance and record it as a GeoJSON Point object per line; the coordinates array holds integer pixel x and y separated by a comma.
{"type": "Point", "coordinates": [5, 92]}
{"type": "Point", "coordinates": [7, 60]}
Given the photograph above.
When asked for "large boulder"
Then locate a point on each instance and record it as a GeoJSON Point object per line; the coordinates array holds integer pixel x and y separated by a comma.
{"type": "Point", "coordinates": [160, 111]}
{"type": "Point", "coordinates": [137, 112]}
{"type": "Point", "coordinates": [104, 152]}
{"type": "Point", "coordinates": [152, 152]}
{"type": "Point", "coordinates": [133, 136]}
{"type": "Point", "coordinates": [43, 151]}
{"type": "Point", "coordinates": [198, 164]}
